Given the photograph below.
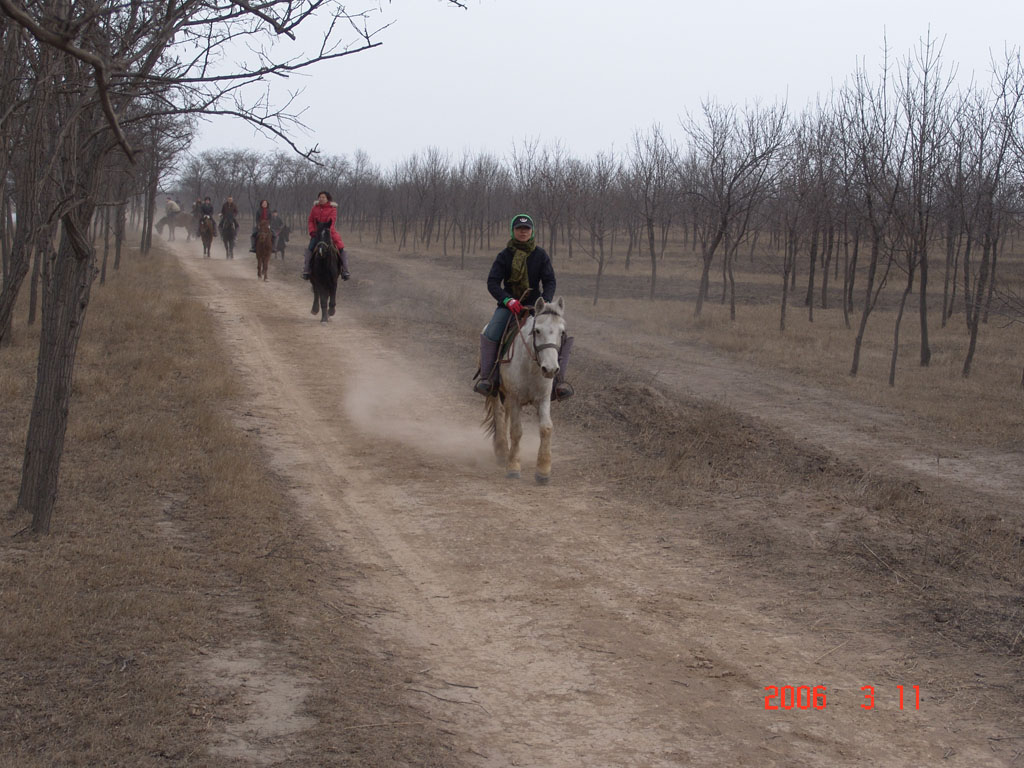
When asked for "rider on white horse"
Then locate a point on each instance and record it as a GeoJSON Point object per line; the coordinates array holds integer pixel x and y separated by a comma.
{"type": "Point", "coordinates": [520, 275]}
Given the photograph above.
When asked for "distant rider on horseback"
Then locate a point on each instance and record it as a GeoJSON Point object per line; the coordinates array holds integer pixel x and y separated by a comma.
{"type": "Point", "coordinates": [262, 214]}
{"type": "Point", "coordinates": [205, 209]}
{"type": "Point", "coordinates": [520, 275]}
{"type": "Point", "coordinates": [324, 210]}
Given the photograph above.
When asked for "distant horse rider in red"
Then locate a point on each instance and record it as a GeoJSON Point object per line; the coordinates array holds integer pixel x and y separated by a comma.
{"type": "Point", "coordinates": [324, 210]}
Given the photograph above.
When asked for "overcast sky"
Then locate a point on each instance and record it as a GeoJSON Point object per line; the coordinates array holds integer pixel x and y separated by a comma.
{"type": "Point", "coordinates": [588, 73]}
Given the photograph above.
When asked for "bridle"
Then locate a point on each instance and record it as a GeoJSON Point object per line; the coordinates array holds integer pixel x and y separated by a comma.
{"type": "Point", "coordinates": [532, 347]}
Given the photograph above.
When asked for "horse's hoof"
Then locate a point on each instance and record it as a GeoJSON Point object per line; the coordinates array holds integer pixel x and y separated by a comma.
{"type": "Point", "coordinates": [324, 320]}
{"type": "Point", "coordinates": [542, 479]}
{"type": "Point", "coordinates": [513, 474]}
{"type": "Point", "coordinates": [331, 311]}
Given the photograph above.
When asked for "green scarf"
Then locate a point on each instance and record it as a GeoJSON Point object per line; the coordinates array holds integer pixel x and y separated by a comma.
{"type": "Point", "coordinates": [518, 279]}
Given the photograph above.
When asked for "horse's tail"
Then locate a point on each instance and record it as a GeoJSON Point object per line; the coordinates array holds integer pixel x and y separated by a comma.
{"type": "Point", "coordinates": [490, 422]}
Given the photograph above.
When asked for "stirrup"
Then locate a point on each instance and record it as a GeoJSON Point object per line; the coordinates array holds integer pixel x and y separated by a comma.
{"type": "Point", "coordinates": [483, 387]}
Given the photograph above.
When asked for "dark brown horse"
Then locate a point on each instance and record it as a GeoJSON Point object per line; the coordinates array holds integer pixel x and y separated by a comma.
{"type": "Point", "coordinates": [264, 245]}
{"type": "Point", "coordinates": [207, 229]}
{"type": "Point", "coordinates": [228, 232]}
{"type": "Point", "coordinates": [324, 268]}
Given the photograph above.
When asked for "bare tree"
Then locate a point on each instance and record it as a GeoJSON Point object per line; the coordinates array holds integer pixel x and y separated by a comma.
{"type": "Point", "coordinates": [108, 71]}
{"type": "Point", "coordinates": [995, 134]}
{"type": "Point", "coordinates": [651, 162]}
{"type": "Point", "coordinates": [879, 155]}
{"type": "Point", "coordinates": [727, 172]}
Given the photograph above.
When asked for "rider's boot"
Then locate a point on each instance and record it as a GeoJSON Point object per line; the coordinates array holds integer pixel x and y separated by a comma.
{"type": "Point", "coordinates": [488, 357]}
{"type": "Point", "coordinates": [252, 243]}
{"type": "Point", "coordinates": [345, 274]}
{"type": "Point", "coordinates": [563, 390]}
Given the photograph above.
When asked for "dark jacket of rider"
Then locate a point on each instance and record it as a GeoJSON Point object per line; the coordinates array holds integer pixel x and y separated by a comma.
{"type": "Point", "coordinates": [539, 271]}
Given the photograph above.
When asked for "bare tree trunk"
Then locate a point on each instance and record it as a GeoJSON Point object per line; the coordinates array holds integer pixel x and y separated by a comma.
{"type": "Point", "coordinates": [974, 306]}
{"type": "Point", "coordinates": [106, 244]}
{"type": "Point", "coordinates": [14, 276]}
{"type": "Point", "coordinates": [812, 263]}
{"type": "Point", "coordinates": [968, 299]}
{"type": "Point", "coordinates": [996, 241]}
{"type": "Point", "coordinates": [896, 328]}
{"type": "Point", "coordinates": [788, 259]}
{"type": "Point", "coordinates": [69, 278]}
{"type": "Point", "coordinates": [829, 245]}
{"type": "Point", "coordinates": [654, 254]}
{"type": "Point", "coordinates": [868, 303]}
{"type": "Point", "coordinates": [949, 277]}
{"type": "Point", "coordinates": [926, 350]}
{"type": "Point", "coordinates": [119, 225]}
{"type": "Point", "coordinates": [730, 257]}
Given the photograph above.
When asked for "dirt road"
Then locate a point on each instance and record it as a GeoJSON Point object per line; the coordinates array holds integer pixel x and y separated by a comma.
{"type": "Point", "coordinates": [580, 624]}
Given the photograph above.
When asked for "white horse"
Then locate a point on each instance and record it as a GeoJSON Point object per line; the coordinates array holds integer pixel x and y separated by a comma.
{"type": "Point", "coordinates": [526, 377]}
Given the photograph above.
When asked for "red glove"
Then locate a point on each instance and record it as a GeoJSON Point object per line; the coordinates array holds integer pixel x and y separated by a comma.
{"type": "Point", "coordinates": [513, 306]}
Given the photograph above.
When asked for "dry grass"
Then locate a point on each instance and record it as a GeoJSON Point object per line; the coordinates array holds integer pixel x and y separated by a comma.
{"type": "Point", "coordinates": [984, 409]}
{"type": "Point", "coordinates": [172, 544]}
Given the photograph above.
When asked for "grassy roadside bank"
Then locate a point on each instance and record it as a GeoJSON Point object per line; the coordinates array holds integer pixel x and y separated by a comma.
{"type": "Point", "coordinates": [178, 578]}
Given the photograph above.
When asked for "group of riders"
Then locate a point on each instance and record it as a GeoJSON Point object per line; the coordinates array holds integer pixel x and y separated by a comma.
{"type": "Point", "coordinates": [202, 209]}
{"type": "Point", "coordinates": [521, 273]}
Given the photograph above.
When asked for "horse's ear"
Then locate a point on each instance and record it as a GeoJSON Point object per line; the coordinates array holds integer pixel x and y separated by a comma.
{"type": "Point", "coordinates": [538, 307]}
{"type": "Point", "coordinates": [561, 305]}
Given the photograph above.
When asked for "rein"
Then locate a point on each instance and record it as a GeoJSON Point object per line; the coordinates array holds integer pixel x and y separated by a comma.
{"type": "Point", "coordinates": [532, 348]}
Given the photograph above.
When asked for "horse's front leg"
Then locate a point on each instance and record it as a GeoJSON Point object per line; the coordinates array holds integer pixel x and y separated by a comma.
{"type": "Point", "coordinates": [500, 440]}
{"type": "Point", "coordinates": [515, 432]}
{"type": "Point", "coordinates": [543, 473]}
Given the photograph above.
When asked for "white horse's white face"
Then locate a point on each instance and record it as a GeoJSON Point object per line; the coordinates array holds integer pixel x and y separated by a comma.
{"type": "Point", "coordinates": [546, 335]}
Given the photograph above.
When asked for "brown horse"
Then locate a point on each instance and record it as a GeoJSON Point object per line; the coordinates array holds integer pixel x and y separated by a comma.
{"type": "Point", "coordinates": [264, 246]}
{"type": "Point", "coordinates": [175, 220]}
{"type": "Point", "coordinates": [207, 229]}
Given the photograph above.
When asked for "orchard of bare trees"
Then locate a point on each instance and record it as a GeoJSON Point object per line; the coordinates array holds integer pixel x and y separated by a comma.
{"type": "Point", "coordinates": [900, 180]}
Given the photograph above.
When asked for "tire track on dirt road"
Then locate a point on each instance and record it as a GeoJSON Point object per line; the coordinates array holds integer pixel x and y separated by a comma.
{"type": "Point", "coordinates": [552, 626]}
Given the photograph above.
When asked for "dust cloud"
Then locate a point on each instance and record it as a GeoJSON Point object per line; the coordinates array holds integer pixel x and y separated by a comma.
{"type": "Point", "coordinates": [390, 397]}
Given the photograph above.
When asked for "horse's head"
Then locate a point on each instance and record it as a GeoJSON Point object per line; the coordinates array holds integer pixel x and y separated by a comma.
{"type": "Point", "coordinates": [323, 232]}
{"type": "Point", "coordinates": [547, 334]}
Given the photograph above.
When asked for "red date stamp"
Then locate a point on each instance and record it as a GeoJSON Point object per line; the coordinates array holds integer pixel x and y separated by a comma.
{"type": "Point", "coordinates": [787, 697]}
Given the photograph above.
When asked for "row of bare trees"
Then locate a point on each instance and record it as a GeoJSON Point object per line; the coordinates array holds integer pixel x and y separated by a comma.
{"type": "Point", "coordinates": [97, 100]}
{"type": "Point", "coordinates": [898, 174]}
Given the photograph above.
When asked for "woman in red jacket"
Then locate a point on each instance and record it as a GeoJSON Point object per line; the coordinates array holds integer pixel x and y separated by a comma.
{"type": "Point", "coordinates": [324, 210]}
